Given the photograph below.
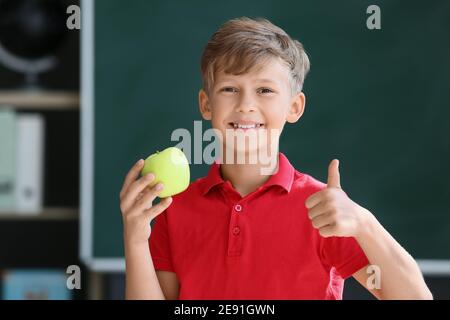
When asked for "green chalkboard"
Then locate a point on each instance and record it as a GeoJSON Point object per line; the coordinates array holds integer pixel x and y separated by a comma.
{"type": "Point", "coordinates": [376, 99]}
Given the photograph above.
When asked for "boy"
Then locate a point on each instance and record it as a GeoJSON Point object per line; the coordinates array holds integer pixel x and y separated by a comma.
{"type": "Point", "coordinates": [241, 234]}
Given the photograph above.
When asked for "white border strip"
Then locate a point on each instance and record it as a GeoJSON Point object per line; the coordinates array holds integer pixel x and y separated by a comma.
{"type": "Point", "coordinates": [434, 267]}
{"type": "Point", "coordinates": [87, 131]}
{"type": "Point", "coordinates": [428, 267]}
{"type": "Point", "coordinates": [116, 265]}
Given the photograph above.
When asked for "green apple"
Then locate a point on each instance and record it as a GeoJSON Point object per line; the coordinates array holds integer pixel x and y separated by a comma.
{"type": "Point", "coordinates": [170, 167]}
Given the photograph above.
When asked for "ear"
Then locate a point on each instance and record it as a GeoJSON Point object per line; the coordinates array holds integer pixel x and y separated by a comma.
{"type": "Point", "coordinates": [297, 107]}
{"type": "Point", "coordinates": [204, 105]}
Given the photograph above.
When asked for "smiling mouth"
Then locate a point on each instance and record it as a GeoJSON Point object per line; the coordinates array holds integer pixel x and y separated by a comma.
{"type": "Point", "coordinates": [237, 125]}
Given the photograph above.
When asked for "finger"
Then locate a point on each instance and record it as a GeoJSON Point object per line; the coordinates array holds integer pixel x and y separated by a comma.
{"type": "Point", "coordinates": [156, 210]}
{"type": "Point", "coordinates": [131, 176]}
{"type": "Point", "coordinates": [147, 199]}
{"type": "Point", "coordinates": [315, 199]}
{"type": "Point", "coordinates": [141, 194]}
{"type": "Point", "coordinates": [322, 220]}
{"type": "Point", "coordinates": [334, 180]}
{"type": "Point", "coordinates": [327, 231]}
{"type": "Point", "coordinates": [135, 189]}
{"type": "Point", "coordinates": [320, 208]}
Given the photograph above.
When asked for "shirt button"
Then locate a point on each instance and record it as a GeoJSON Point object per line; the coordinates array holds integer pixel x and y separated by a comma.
{"type": "Point", "coordinates": [238, 208]}
{"type": "Point", "coordinates": [236, 230]}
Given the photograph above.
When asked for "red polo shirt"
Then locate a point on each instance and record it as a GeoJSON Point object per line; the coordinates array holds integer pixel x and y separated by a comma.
{"type": "Point", "coordinates": [261, 246]}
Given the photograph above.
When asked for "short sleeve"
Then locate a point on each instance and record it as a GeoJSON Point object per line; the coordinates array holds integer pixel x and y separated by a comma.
{"type": "Point", "coordinates": [344, 254]}
{"type": "Point", "coordinates": [159, 244]}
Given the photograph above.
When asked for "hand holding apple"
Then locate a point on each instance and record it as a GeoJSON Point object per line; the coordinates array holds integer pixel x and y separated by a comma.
{"type": "Point", "coordinates": [136, 205]}
{"type": "Point", "coordinates": [171, 168]}
{"type": "Point", "coordinates": [332, 212]}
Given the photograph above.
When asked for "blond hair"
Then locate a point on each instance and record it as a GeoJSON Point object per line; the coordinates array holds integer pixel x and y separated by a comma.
{"type": "Point", "coordinates": [242, 44]}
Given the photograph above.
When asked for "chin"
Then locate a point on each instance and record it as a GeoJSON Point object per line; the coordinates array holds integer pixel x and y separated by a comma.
{"type": "Point", "coordinates": [247, 156]}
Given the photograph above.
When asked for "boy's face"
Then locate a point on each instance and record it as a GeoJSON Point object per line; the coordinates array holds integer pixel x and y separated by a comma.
{"type": "Point", "coordinates": [255, 103]}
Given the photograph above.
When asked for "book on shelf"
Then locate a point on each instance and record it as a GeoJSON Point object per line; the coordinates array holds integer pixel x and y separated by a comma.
{"type": "Point", "coordinates": [35, 284]}
{"type": "Point", "coordinates": [30, 163]}
{"type": "Point", "coordinates": [7, 158]}
{"type": "Point", "coordinates": [21, 162]}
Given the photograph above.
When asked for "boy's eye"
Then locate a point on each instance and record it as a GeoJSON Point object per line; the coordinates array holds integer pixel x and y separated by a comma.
{"type": "Point", "coordinates": [265, 90]}
{"type": "Point", "coordinates": [229, 89]}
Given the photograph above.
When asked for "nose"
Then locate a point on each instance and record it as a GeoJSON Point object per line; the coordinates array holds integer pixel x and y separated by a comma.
{"type": "Point", "coordinates": [246, 103]}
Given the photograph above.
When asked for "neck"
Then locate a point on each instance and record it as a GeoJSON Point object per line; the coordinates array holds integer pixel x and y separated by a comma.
{"type": "Point", "coordinates": [246, 178]}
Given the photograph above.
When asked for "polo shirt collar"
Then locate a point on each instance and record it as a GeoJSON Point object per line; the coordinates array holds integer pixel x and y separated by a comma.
{"type": "Point", "coordinates": [283, 177]}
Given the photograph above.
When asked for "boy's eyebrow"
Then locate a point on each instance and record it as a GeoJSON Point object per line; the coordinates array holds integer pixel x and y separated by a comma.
{"type": "Point", "coordinates": [266, 80]}
{"type": "Point", "coordinates": [256, 80]}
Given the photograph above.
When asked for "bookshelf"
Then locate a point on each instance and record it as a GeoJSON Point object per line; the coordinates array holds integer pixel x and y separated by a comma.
{"type": "Point", "coordinates": [49, 238]}
{"type": "Point", "coordinates": [41, 101]}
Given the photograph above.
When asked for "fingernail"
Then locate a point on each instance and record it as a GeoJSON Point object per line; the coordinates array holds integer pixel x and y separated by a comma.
{"type": "Point", "coordinates": [140, 162]}
{"type": "Point", "coordinates": [159, 186]}
{"type": "Point", "coordinates": [149, 176]}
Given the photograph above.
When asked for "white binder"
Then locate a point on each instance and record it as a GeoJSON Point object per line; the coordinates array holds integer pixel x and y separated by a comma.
{"type": "Point", "coordinates": [30, 163]}
{"type": "Point", "coordinates": [7, 159]}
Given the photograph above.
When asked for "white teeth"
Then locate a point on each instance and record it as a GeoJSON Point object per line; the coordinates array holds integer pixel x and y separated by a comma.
{"type": "Point", "coordinates": [243, 126]}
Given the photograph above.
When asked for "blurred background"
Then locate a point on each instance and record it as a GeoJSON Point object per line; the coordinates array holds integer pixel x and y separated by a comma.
{"type": "Point", "coordinates": [79, 106]}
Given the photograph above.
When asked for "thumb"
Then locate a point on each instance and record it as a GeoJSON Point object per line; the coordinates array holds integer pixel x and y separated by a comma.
{"type": "Point", "coordinates": [334, 180]}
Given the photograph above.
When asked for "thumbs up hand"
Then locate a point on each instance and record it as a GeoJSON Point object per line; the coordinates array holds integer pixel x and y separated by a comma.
{"type": "Point", "coordinates": [332, 212]}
